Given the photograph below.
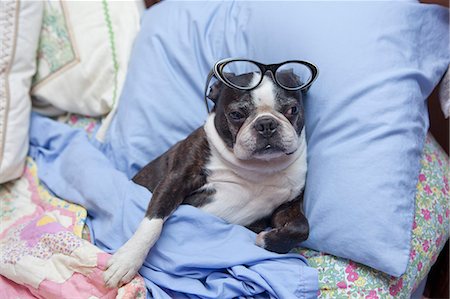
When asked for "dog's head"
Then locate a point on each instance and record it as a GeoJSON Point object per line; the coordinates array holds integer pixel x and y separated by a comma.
{"type": "Point", "coordinates": [262, 123]}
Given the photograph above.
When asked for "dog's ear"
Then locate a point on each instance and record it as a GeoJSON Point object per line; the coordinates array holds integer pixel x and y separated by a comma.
{"type": "Point", "coordinates": [214, 91]}
{"type": "Point", "coordinates": [289, 77]}
{"type": "Point", "coordinates": [216, 88]}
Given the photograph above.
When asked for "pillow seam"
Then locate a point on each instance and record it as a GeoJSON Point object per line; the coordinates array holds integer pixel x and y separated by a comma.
{"type": "Point", "coordinates": [112, 44]}
{"type": "Point", "coordinates": [15, 24]}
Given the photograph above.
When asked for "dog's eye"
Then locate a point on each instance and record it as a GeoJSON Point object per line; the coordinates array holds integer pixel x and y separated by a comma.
{"type": "Point", "coordinates": [292, 111]}
{"type": "Point", "coordinates": [236, 115]}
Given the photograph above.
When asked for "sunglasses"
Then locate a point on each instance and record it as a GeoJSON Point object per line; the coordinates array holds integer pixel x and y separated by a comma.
{"type": "Point", "coordinates": [290, 75]}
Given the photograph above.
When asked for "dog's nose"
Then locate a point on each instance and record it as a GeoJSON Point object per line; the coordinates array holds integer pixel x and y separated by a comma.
{"type": "Point", "coordinates": [266, 126]}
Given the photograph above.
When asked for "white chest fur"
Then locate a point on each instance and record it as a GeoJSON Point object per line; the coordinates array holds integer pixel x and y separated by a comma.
{"type": "Point", "coordinates": [248, 191]}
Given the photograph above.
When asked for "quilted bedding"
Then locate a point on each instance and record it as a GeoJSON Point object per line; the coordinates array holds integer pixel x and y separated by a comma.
{"type": "Point", "coordinates": [43, 255]}
{"type": "Point", "coordinates": [42, 252]}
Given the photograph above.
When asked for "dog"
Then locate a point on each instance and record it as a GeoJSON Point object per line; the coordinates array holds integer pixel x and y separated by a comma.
{"type": "Point", "coordinates": [246, 165]}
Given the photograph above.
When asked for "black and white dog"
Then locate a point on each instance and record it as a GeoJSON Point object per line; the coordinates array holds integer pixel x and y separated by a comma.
{"type": "Point", "coordinates": [247, 165]}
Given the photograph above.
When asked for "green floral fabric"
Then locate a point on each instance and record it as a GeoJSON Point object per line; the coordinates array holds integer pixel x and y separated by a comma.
{"type": "Point", "coordinates": [55, 49]}
{"type": "Point", "coordinates": [342, 278]}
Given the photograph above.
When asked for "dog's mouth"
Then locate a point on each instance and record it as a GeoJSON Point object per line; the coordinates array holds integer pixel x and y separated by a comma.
{"type": "Point", "coordinates": [269, 150]}
{"type": "Point", "coordinates": [272, 151]}
{"type": "Point", "coordinates": [290, 153]}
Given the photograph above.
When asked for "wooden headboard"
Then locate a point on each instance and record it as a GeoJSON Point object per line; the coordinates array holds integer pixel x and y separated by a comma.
{"type": "Point", "coordinates": [149, 3]}
{"type": "Point", "coordinates": [439, 126]}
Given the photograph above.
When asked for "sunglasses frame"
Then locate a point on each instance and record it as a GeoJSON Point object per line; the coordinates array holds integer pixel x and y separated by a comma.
{"type": "Point", "coordinates": [217, 71]}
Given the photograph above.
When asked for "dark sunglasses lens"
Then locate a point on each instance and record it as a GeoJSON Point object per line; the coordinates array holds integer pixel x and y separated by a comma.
{"type": "Point", "coordinates": [293, 75]}
{"type": "Point", "coordinates": [242, 74]}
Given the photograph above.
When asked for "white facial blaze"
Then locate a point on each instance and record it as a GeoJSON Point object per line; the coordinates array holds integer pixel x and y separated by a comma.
{"type": "Point", "coordinates": [264, 95]}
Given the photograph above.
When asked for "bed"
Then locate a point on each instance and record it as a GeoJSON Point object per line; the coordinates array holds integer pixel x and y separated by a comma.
{"type": "Point", "coordinates": [50, 247]}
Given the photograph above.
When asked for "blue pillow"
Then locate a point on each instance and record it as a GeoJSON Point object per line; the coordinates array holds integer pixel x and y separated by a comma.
{"type": "Point", "coordinates": [366, 113]}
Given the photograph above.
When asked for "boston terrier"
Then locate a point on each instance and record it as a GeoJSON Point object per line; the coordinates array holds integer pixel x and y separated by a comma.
{"type": "Point", "coordinates": [246, 165]}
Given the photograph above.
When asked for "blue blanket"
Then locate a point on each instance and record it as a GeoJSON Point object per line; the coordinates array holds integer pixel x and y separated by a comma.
{"type": "Point", "coordinates": [197, 256]}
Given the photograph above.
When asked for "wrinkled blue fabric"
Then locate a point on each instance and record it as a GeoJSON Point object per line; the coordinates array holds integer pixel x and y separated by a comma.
{"type": "Point", "coordinates": [197, 256]}
{"type": "Point", "coordinates": [366, 114]}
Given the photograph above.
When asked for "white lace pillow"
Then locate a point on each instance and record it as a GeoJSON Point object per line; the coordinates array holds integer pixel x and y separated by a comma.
{"type": "Point", "coordinates": [20, 22]}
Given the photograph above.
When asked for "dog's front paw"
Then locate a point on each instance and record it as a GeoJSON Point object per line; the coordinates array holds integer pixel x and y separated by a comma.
{"type": "Point", "coordinates": [260, 239]}
{"type": "Point", "coordinates": [129, 258]}
{"type": "Point", "coordinates": [122, 267]}
{"type": "Point", "coordinates": [275, 241]}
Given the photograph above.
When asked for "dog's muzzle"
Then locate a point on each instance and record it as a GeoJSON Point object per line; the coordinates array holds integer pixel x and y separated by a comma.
{"type": "Point", "coordinates": [266, 126]}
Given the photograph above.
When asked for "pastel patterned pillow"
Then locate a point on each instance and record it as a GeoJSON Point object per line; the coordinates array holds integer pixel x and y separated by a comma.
{"type": "Point", "coordinates": [343, 278]}
{"type": "Point", "coordinates": [83, 55]}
